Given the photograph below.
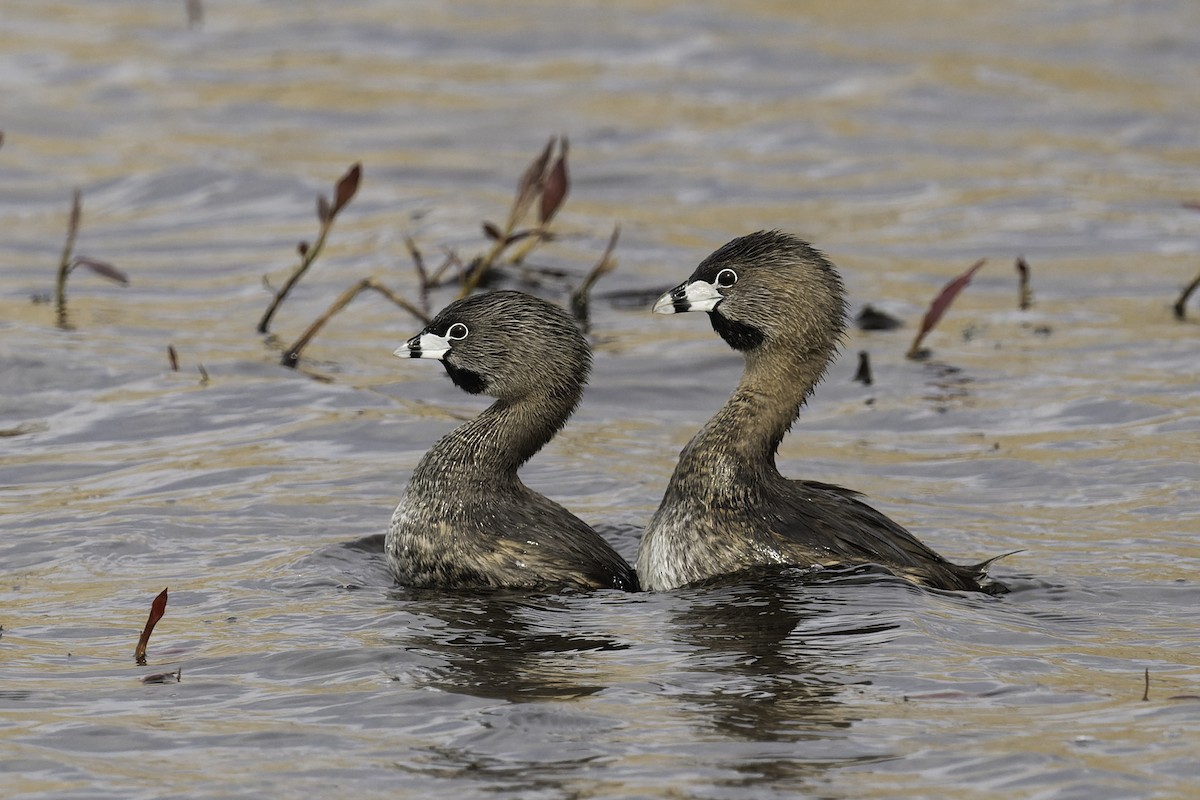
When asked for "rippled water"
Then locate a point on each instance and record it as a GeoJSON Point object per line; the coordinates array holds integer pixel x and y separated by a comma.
{"type": "Point", "coordinates": [906, 142]}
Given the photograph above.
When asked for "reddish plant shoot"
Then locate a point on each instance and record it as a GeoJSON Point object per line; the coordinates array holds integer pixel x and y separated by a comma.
{"type": "Point", "coordinates": [939, 305]}
{"type": "Point", "coordinates": [68, 262]}
{"type": "Point", "coordinates": [558, 183]}
{"type": "Point", "coordinates": [347, 187]}
{"type": "Point", "coordinates": [580, 301]}
{"type": "Point", "coordinates": [531, 183]}
{"type": "Point", "coordinates": [101, 268]}
{"type": "Point", "coordinates": [343, 193]}
{"type": "Point", "coordinates": [157, 609]}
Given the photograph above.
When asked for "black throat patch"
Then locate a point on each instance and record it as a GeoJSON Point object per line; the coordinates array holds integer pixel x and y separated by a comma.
{"type": "Point", "coordinates": [737, 335]}
{"type": "Point", "coordinates": [465, 379]}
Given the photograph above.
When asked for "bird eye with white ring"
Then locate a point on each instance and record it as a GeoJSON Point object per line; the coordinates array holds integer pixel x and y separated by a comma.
{"type": "Point", "coordinates": [726, 278]}
{"type": "Point", "coordinates": [457, 331]}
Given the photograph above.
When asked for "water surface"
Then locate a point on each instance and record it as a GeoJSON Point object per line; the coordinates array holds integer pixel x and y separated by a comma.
{"type": "Point", "coordinates": [905, 142]}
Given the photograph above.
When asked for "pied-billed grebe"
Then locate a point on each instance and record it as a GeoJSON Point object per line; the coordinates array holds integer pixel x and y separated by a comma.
{"type": "Point", "coordinates": [727, 508]}
{"type": "Point", "coordinates": [466, 519]}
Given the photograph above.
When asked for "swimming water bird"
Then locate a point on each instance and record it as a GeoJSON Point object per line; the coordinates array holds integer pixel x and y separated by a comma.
{"type": "Point", "coordinates": [727, 509]}
{"type": "Point", "coordinates": [466, 519]}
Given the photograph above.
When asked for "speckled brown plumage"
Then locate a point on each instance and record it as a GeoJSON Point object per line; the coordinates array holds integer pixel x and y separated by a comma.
{"type": "Point", "coordinates": [727, 509]}
{"type": "Point", "coordinates": [466, 520]}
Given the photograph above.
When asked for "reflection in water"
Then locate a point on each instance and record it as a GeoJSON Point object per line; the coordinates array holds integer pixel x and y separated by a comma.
{"type": "Point", "coordinates": [758, 662]}
{"type": "Point", "coordinates": [507, 646]}
{"type": "Point", "coordinates": [778, 648]}
{"type": "Point", "coordinates": [949, 386]}
{"type": "Point", "coordinates": [496, 775]}
{"type": "Point", "coordinates": [512, 646]}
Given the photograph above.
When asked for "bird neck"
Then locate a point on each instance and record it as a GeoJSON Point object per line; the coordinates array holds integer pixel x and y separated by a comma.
{"type": "Point", "coordinates": [748, 429]}
{"type": "Point", "coordinates": [502, 438]}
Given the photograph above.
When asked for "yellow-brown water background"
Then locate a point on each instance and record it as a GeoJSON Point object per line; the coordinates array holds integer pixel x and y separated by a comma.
{"type": "Point", "coordinates": [905, 139]}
